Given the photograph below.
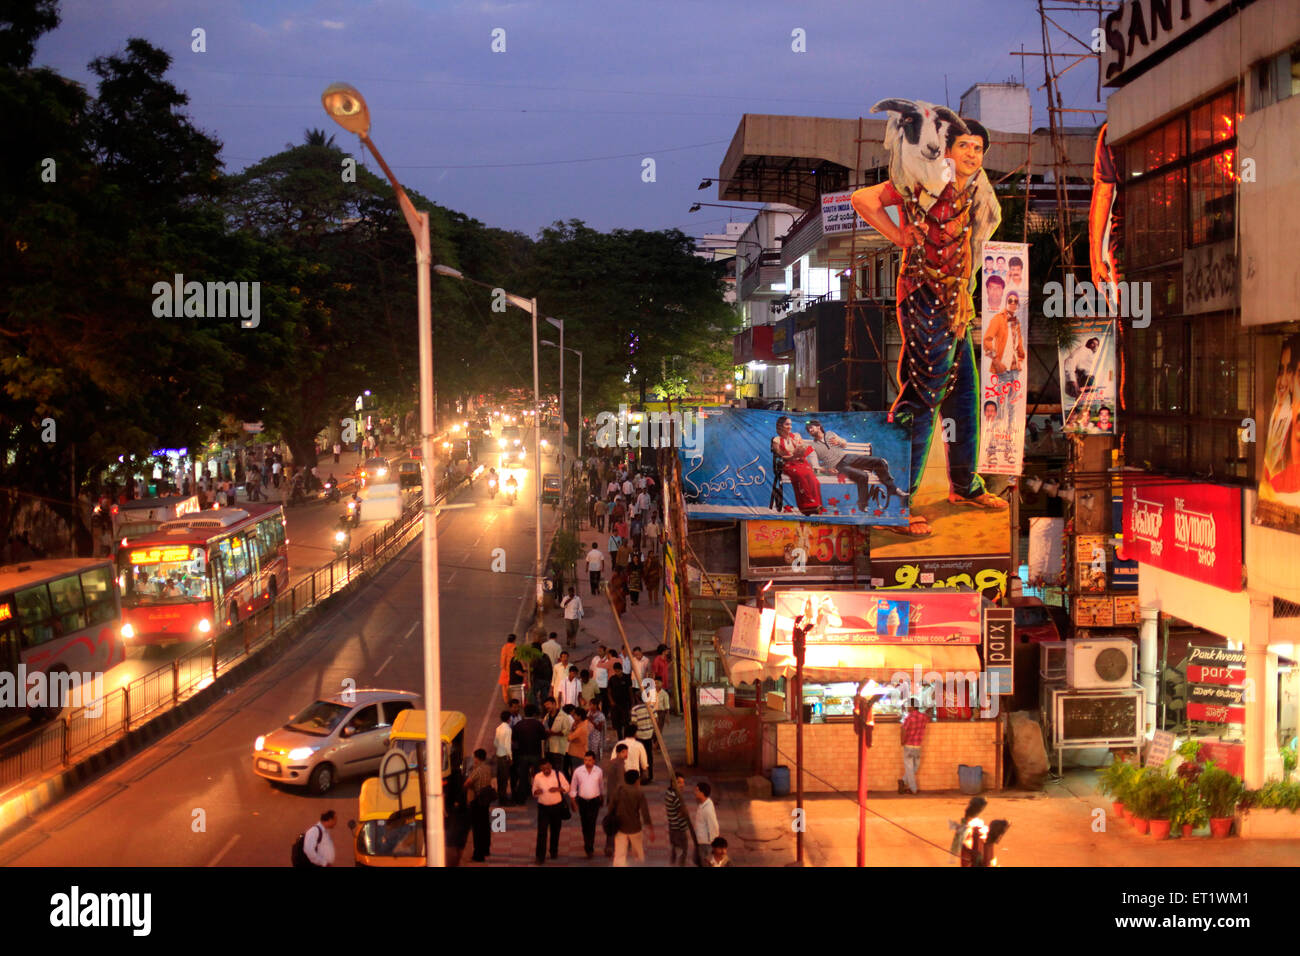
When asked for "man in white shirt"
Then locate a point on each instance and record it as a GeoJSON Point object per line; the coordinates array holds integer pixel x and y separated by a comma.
{"type": "Point", "coordinates": [601, 666]}
{"type": "Point", "coordinates": [316, 842]}
{"type": "Point", "coordinates": [571, 689]}
{"type": "Point", "coordinates": [636, 756]}
{"type": "Point", "coordinates": [551, 647]}
{"type": "Point", "coordinates": [559, 674]}
{"type": "Point", "coordinates": [612, 488]}
{"type": "Point", "coordinates": [595, 565]}
{"type": "Point", "coordinates": [706, 821]}
{"type": "Point", "coordinates": [627, 488]}
{"type": "Point", "coordinates": [588, 791]}
{"type": "Point", "coordinates": [643, 503]}
{"type": "Point", "coordinates": [501, 742]}
{"type": "Point", "coordinates": [638, 667]}
{"type": "Point", "coordinates": [573, 613]}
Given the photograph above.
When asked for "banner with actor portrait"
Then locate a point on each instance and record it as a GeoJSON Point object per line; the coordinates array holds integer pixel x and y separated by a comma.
{"type": "Point", "coordinates": [1004, 365]}
{"type": "Point", "coordinates": [1089, 383]}
{"type": "Point", "coordinates": [828, 467]}
{"type": "Point", "coordinates": [1278, 433]}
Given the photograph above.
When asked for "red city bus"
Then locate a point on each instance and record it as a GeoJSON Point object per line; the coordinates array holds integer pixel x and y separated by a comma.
{"type": "Point", "coordinates": [57, 617]}
{"type": "Point", "coordinates": [198, 574]}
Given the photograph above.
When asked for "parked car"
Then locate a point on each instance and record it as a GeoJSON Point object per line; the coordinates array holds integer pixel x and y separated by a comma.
{"type": "Point", "coordinates": [331, 738]}
{"type": "Point", "coordinates": [1034, 621]}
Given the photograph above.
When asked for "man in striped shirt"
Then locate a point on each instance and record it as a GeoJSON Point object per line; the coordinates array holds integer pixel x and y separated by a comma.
{"type": "Point", "coordinates": [678, 821]}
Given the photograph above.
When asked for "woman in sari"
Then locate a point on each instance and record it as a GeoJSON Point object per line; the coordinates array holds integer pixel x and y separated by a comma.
{"type": "Point", "coordinates": [794, 452]}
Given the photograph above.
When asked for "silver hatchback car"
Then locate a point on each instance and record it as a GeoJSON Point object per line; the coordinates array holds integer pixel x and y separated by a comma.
{"type": "Point", "coordinates": [334, 737]}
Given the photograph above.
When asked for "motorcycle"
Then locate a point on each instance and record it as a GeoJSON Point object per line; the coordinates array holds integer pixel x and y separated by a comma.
{"type": "Point", "coordinates": [511, 494]}
{"type": "Point", "coordinates": [492, 487]}
{"type": "Point", "coordinates": [331, 491]}
{"type": "Point", "coordinates": [353, 516]}
{"type": "Point", "coordinates": [342, 541]}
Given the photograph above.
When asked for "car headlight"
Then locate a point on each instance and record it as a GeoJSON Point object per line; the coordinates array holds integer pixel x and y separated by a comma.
{"type": "Point", "coordinates": [382, 472]}
{"type": "Point", "coordinates": [259, 743]}
{"type": "Point", "coordinates": [128, 631]}
{"type": "Point", "coordinates": [501, 443]}
{"type": "Point", "coordinates": [205, 625]}
{"type": "Point", "coordinates": [302, 753]}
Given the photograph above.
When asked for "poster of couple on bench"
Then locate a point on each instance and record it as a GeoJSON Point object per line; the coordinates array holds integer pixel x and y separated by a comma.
{"type": "Point", "coordinates": [832, 467]}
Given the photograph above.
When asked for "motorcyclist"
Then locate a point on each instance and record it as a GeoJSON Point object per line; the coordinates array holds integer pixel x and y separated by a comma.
{"type": "Point", "coordinates": [342, 536]}
{"type": "Point", "coordinates": [492, 482]}
{"type": "Point", "coordinates": [512, 488]}
{"type": "Point", "coordinates": [354, 508]}
{"type": "Point", "coordinates": [332, 487]}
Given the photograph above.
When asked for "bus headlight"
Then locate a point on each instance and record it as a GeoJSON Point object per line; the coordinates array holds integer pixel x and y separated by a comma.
{"type": "Point", "coordinates": [128, 631]}
{"type": "Point", "coordinates": [204, 626]}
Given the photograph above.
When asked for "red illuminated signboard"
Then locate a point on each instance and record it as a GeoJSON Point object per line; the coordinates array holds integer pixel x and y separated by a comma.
{"type": "Point", "coordinates": [1190, 529]}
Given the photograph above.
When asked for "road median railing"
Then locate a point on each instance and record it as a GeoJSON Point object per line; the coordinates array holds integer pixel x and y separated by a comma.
{"type": "Point", "coordinates": [84, 731]}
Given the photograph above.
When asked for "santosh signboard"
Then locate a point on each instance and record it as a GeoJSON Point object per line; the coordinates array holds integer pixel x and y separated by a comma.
{"type": "Point", "coordinates": [1141, 28]}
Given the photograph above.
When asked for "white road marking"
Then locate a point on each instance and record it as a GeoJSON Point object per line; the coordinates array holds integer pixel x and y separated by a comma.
{"type": "Point", "coordinates": [452, 576]}
{"type": "Point", "coordinates": [224, 850]}
{"type": "Point", "coordinates": [412, 629]}
{"type": "Point", "coordinates": [380, 669]}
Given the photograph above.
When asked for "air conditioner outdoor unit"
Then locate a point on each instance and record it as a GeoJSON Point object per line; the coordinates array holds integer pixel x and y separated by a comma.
{"type": "Point", "coordinates": [1103, 663]}
{"type": "Point", "coordinates": [1051, 660]}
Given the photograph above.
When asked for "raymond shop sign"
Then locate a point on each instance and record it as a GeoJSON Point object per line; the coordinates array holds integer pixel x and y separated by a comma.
{"type": "Point", "coordinates": [1216, 705]}
{"type": "Point", "coordinates": [1189, 529]}
{"type": "Point", "coordinates": [1215, 665]}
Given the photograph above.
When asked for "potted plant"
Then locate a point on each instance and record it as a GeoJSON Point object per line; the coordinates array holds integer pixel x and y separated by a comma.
{"type": "Point", "coordinates": [1191, 811]}
{"type": "Point", "coordinates": [1140, 798]}
{"type": "Point", "coordinates": [1270, 811]}
{"type": "Point", "coordinates": [1115, 781]}
{"type": "Point", "coordinates": [1163, 803]}
{"type": "Point", "coordinates": [1220, 792]}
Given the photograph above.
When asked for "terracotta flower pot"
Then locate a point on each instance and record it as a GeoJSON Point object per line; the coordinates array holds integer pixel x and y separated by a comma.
{"type": "Point", "coordinates": [1142, 826]}
{"type": "Point", "coordinates": [1117, 808]}
{"type": "Point", "coordinates": [1160, 829]}
{"type": "Point", "coordinates": [1220, 826]}
{"type": "Point", "coordinates": [1187, 831]}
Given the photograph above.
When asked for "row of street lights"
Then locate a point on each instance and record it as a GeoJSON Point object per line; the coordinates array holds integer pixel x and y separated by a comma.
{"type": "Point", "coordinates": [346, 106]}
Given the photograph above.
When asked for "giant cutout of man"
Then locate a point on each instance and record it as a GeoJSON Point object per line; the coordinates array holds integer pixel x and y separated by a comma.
{"type": "Point", "coordinates": [944, 222]}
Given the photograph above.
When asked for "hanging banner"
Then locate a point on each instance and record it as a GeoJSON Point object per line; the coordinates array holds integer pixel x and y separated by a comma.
{"type": "Point", "coordinates": [1046, 541]}
{"type": "Point", "coordinates": [782, 549]}
{"type": "Point", "coordinates": [869, 617]}
{"type": "Point", "coordinates": [837, 468]}
{"type": "Point", "coordinates": [1004, 364]}
{"type": "Point", "coordinates": [751, 632]}
{"type": "Point", "coordinates": [1088, 379]}
{"type": "Point", "coordinates": [1278, 504]}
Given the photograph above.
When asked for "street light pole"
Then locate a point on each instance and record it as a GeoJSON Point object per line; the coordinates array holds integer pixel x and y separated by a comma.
{"type": "Point", "coordinates": [559, 324]}
{"type": "Point", "coordinates": [348, 108]}
{"type": "Point", "coordinates": [537, 466]}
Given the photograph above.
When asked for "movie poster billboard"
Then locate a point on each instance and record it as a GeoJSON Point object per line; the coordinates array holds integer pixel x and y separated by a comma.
{"type": "Point", "coordinates": [1004, 364]}
{"type": "Point", "coordinates": [869, 617]}
{"type": "Point", "coordinates": [933, 151]}
{"type": "Point", "coordinates": [1088, 381]}
{"type": "Point", "coordinates": [829, 467]}
{"type": "Point", "coordinates": [1278, 435]}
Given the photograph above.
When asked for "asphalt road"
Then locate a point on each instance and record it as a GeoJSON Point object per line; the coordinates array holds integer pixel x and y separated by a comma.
{"type": "Point", "coordinates": [192, 798]}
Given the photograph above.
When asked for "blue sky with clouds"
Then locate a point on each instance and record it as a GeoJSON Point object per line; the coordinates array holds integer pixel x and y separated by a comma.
{"type": "Point", "coordinates": [557, 125]}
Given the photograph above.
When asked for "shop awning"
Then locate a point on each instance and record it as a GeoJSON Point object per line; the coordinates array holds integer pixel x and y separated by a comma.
{"type": "Point", "coordinates": [831, 663]}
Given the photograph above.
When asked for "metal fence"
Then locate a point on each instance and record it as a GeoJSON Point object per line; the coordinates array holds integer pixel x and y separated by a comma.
{"type": "Point", "coordinates": [83, 731]}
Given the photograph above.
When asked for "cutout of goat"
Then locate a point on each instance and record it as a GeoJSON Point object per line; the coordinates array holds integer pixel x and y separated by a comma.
{"type": "Point", "coordinates": [916, 137]}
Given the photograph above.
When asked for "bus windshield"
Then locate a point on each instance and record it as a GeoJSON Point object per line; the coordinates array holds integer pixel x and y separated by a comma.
{"type": "Point", "coordinates": [167, 575]}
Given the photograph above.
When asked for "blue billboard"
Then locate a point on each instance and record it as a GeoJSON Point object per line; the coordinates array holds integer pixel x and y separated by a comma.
{"type": "Point", "coordinates": [829, 467]}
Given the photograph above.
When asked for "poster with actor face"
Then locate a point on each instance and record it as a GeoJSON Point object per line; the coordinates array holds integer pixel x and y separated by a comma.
{"type": "Point", "coordinates": [830, 467]}
{"type": "Point", "coordinates": [1004, 365]}
{"type": "Point", "coordinates": [1278, 436]}
{"type": "Point", "coordinates": [1089, 385]}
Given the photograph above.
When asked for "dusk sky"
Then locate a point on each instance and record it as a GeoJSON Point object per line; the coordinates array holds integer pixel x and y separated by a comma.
{"type": "Point", "coordinates": [557, 125]}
